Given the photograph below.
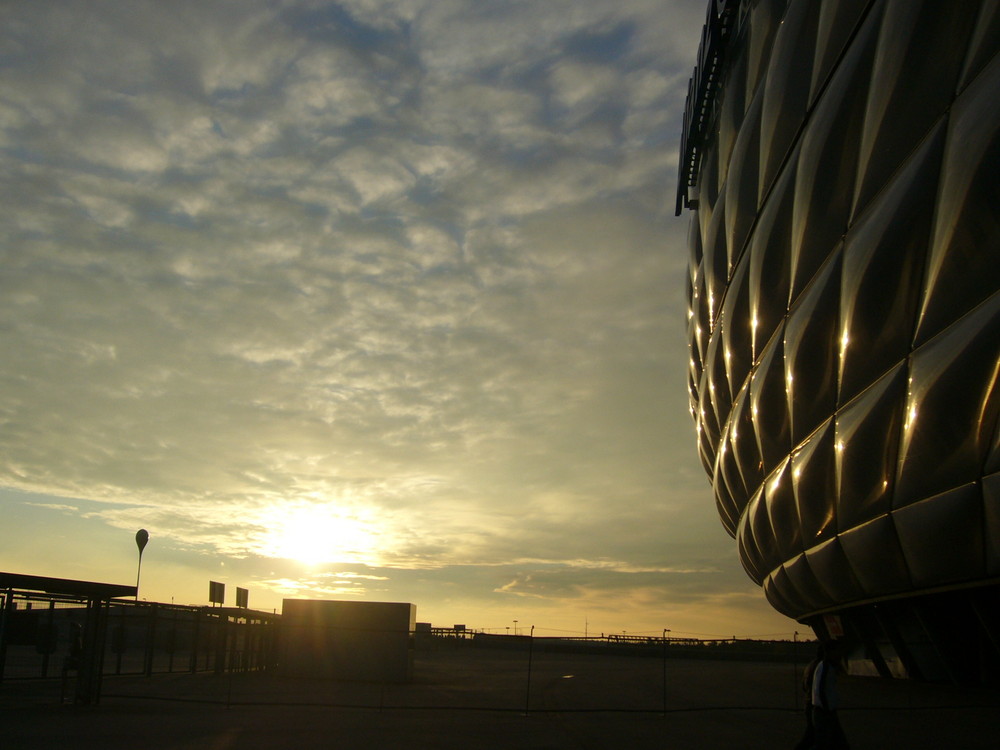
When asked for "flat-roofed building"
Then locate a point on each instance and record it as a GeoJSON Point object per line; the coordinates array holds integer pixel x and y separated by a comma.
{"type": "Point", "coordinates": [345, 640]}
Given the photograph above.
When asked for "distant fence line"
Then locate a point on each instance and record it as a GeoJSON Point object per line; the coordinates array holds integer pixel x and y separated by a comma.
{"type": "Point", "coordinates": [468, 634]}
{"type": "Point", "coordinates": [794, 651]}
{"type": "Point", "coordinates": [139, 638]}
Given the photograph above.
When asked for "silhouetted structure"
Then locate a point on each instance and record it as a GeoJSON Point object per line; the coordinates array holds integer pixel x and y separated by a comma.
{"type": "Point", "coordinates": [82, 631]}
{"type": "Point", "coordinates": [86, 653]}
{"type": "Point", "coordinates": [841, 162]}
{"type": "Point", "coordinates": [363, 641]}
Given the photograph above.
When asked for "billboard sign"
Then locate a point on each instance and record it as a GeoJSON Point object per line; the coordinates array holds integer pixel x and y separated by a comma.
{"type": "Point", "coordinates": [216, 592]}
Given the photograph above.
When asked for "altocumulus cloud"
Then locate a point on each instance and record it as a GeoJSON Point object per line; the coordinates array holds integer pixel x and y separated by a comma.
{"type": "Point", "coordinates": [403, 268]}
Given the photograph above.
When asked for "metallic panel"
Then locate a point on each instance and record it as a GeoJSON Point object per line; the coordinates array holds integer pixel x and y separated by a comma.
{"type": "Point", "coordinates": [814, 483]}
{"type": "Point", "coordinates": [866, 439]}
{"type": "Point", "coordinates": [921, 46]}
{"type": "Point", "coordinates": [962, 267]}
{"type": "Point", "coordinates": [786, 91]}
{"type": "Point", "coordinates": [942, 536]}
{"type": "Point", "coordinates": [951, 406]}
{"type": "Point", "coordinates": [811, 352]}
{"type": "Point", "coordinates": [825, 170]}
{"type": "Point", "coordinates": [883, 268]}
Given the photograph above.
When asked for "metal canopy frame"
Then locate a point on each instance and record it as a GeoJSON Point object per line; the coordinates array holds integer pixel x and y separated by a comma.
{"type": "Point", "coordinates": [96, 597]}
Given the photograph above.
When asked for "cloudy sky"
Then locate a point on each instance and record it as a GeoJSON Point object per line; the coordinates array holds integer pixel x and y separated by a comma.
{"type": "Point", "coordinates": [377, 299]}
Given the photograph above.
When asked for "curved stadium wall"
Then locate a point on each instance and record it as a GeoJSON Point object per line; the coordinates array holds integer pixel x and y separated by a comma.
{"type": "Point", "coordinates": [841, 160]}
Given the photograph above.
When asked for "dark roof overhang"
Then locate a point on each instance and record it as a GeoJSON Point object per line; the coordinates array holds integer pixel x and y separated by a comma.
{"type": "Point", "coordinates": [65, 586]}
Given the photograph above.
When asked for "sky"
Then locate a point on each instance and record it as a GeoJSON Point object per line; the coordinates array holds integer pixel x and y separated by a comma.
{"type": "Point", "coordinates": [375, 300]}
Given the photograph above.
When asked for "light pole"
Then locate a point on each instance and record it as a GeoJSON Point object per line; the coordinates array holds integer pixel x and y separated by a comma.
{"type": "Point", "coordinates": [141, 539]}
{"type": "Point", "coordinates": [515, 627]}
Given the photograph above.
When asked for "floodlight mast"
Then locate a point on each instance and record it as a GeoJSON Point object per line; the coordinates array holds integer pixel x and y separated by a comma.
{"type": "Point", "coordinates": [141, 539]}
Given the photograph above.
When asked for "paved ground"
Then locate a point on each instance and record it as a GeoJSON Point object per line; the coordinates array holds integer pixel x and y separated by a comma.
{"type": "Point", "coordinates": [476, 698]}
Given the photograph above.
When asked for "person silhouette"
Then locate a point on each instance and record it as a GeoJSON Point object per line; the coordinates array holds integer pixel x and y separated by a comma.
{"type": "Point", "coordinates": [808, 740]}
{"type": "Point", "coordinates": [75, 647]}
{"type": "Point", "coordinates": [825, 700]}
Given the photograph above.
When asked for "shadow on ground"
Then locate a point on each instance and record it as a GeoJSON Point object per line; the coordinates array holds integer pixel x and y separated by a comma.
{"type": "Point", "coordinates": [470, 698]}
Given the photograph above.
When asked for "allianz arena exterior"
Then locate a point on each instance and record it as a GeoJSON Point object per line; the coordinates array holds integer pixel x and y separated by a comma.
{"type": "Point", "coordinates": [841, 161]}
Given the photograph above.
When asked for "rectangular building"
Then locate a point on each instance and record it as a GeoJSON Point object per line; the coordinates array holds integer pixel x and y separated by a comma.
{"type": "Point", "coordinates": [343, 640]}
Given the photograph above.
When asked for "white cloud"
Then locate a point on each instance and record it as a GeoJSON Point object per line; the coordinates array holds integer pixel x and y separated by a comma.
{"type": "Point", "coordinates": [374, 176]}
{"type": "Point", "coordinates": [331, 88]}
{"type": "Point", "coordinates": [56, 506]}
{"type": "Point", "coordinates": [584, 87]}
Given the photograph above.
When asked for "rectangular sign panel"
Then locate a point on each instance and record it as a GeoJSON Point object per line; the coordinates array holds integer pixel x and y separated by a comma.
{"type": "Point", "coordinates": [242, 597]}
{"type": "Point", "coordinates": [216, 592]}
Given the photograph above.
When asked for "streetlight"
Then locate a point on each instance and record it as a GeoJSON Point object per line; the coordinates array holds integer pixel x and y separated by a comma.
{"type": "Point", "coordinates": [515, 627]}
{"type": "Point", "coordinates": [141, 539]}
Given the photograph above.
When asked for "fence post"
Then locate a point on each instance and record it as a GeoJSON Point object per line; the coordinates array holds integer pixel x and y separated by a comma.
{"type": "Point", "coordinates": [54, 636]}
{"type": "Point", "coordinates": [665, 671]}
{"type": "Point", "coordinates": [221, 643]}
{"type": "Point", "coordinates": [527, 692]}
{"type": "Point", "coordinates": [150, 641]}
{"type": "Point", "coordinates": [119, 639]}
{"type": "Point", "coordinates": [193, 665]}
{"type": "Point", "coordinates": [8, 606]}
{"type": "Point", "coordinates": [795, 669]}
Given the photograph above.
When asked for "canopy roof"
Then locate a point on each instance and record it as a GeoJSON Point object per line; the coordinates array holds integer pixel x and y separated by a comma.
{"type": "Point", "coordinates": [64, 586]}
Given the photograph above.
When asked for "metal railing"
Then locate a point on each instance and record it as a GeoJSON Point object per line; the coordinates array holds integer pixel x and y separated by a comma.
{"type": "Point", "coordinates": [42, 638]}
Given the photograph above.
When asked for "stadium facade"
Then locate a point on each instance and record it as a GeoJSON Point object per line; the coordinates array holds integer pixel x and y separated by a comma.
{"type": "Point", "coordinates": [841, 163]}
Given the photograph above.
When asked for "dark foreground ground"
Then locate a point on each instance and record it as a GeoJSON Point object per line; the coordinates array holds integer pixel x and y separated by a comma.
{"type": "Point", "coordinates": [475, 698]}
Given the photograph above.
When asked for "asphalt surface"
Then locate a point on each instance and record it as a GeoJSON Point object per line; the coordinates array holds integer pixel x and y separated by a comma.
{"type": "Point", "coordinates": [479, 698]}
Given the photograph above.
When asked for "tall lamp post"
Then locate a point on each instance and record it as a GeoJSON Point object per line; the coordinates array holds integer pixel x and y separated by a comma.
{"type": "Point", "coordinates": [141, 539]}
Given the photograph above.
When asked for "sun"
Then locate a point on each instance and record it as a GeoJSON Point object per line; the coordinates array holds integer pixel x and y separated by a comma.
{"type": "Point", "coordinates": [315, 534]}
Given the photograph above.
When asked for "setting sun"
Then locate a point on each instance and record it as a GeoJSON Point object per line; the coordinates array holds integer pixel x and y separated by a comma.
{"type": "Point", "coordinates": [318, 534]}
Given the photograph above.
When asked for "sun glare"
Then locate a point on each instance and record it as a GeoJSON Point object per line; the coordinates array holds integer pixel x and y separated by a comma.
{"type": "Point", "coordinates": [317, 534]}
